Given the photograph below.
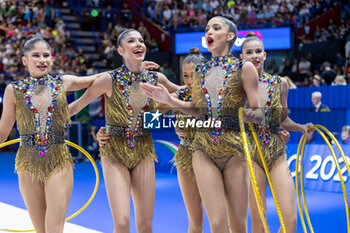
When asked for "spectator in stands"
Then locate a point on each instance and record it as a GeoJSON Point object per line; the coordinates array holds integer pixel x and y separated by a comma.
{"type": "Point", "coordinates": [318, 106]}
{"type": "Point", "coordinates": [49, 14]}
{"type": "Point", "coordinates": [295, 70]}
{"type": "Point", "coordinates": [325, 35]}
{"type": "Point", "coordinates": [345, 11]}
{"type": "Point", "coordinates": [328, 75]}
{"type": "Point", "coordinates": [316, 80]}
{"type": "Point", "coordinates": [108, 52]}
{"type": "Point", "coordinates": [317, 34]}
{"type": "Point", "coordinates": [304, 68]}
{"type": "Point", "coordinates": [339, 80]}
{"type": "Point", "coordinates": [108, 15]}
{"type": "Point", "coordinates": [286, 68]}
{"type": "Point", "coordinates": [272, 67]}
{"type": "Point", "coordinates": [345, 135]}
{"type": "Point", "coordinates": [347, 77]}
{"type": "Point", "coordinates": [340, 60]}
{"type": "Point", "coordinates": [126, 14]}
{"type": "Point", "coordinates": [143, 30]}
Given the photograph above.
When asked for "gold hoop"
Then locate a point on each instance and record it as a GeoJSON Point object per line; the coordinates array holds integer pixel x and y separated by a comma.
{"type": "Point", "coordinates": [298, 164]}
{"type": "Point", "coordinates": [261, 209]}
{"type": "Point", "coordinates": [92, 195]}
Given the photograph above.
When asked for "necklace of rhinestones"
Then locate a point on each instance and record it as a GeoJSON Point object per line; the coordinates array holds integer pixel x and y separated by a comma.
{"type": "Point", "coordinates": [184, 94]}
{"type": "Point", "coordinates": [53, 84]}
{"type": "Point", "coordinates": [264, 128]}
{"type": "Point", "coordinates": [125, 80]}
{"type": "Point", "coordinates": [228, 64]}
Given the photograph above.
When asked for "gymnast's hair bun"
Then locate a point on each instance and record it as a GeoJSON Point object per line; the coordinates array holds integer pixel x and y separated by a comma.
{"type": "Point", "coordinates": [250, 34]}
{"type": "Point", "coordinates": [228, 16]}
{"type": "Point", "coordinates": [195, 51]}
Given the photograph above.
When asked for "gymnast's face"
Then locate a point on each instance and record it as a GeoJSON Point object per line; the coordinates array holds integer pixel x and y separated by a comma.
{"type": "Point", "coordinates": [254, 52]}
{"type": "Point", "coordinates": [188, 72]}
{"type": "Point", "coordinates": [218, 37]}
{"type": "Point", "coordinates": [133, 47]}
{"type": "Point", "coordinates": [38, 60]}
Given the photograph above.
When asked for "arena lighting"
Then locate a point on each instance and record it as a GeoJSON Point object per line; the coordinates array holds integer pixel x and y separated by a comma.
{"type": "Point", "coordinates": [0, 100]}
{"type": "Point", "coordinates": [94, 13]}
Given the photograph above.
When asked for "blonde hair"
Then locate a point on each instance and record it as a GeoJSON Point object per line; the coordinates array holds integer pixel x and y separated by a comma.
{"type": "Point", "coordinates": [290, 83]}
{"type": "Point", "coordinates": [339, 80]}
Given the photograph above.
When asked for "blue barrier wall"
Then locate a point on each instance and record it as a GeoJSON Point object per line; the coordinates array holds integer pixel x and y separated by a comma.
{"type": "Point", "coordinates": [333, 96]}
{"type": "Point", "coordinates": [336, 97]}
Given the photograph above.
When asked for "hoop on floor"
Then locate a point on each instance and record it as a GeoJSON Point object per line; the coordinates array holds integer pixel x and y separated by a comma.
{"type": "Point", "coordinates": [261, 209]}
{"type": "Point", "coordinates": [301, 148]}
{"type": "Point", "coordinates": [92, 195]}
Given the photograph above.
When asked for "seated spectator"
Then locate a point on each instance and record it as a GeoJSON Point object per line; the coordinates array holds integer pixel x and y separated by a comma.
{"type": "Point", "coordinates": [339, 80]}
{"type": "Point", "coordinates": [347, 77]}
{"type": "Point", "coordinates": [304, 14]}
{"type": "Point", "coordinates": [340, 60]}
{"type": "Point", "coordinates": [272, 67]}
{"type": "Point", "coordinates": [316, 80]}
{"type": "Point", "coordinates": [345, 135]}
{"type": "Point", "coordinates": [304, 68]}
{"type": "Point", "coordinates": [328, 75]}
{"type": "Point", "coordinates": [318, 105]}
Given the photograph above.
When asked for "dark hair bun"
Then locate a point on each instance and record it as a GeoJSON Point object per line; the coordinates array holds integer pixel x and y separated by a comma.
{"type": "Point", "coordinates": [195, 50]}
{"type": "Point", "coordinates": [228, 16]}
{"type": "Point", "coordinates": [250, 34]}
{"type": "Point", "coordinates": [34, 36]}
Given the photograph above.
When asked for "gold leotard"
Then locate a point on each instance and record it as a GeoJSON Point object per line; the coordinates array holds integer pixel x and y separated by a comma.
{"type": "Point", "coordinates": [124, 109]}
{"type": "Point", "coordinates": [183, 156]}
{"type": "Point", "coordinates": [49, 99]}
{"type": "Point", "coordinates": [218, 92]}
{"type": "Point", "coordinates": [270, 143]}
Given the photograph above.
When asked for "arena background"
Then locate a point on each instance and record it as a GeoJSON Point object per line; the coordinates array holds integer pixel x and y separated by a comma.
{"type": "Point", "coordinates": [302, 38]}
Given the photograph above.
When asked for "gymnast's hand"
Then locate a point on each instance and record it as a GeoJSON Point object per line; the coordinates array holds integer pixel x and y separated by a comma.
{"type": "Point", "coordinates": [102, 136]}
{"type": "Point", "coordinates": [159, 93]}
{"type": "Point", "coordinates": [307, 128]}
{"type": "Point", "coordinates": [149, 65]}
{"type": "Point", "coordinates": [284, 136]}
{"type": "Point", "coordinates": [250, 116]}
{"type": "Point", "coordinates": [180, 133]}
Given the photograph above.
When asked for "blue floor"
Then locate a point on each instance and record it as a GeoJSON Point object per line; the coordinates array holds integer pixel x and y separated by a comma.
{"type": "Point", "coordinates": [326, 209]}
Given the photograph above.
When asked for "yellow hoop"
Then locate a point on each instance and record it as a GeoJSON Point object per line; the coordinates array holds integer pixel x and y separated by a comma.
{"type": "Point", "coordinates": [261, 209]}
{"type": "Point", "coordinates": [298, 164]}
{"type": "Point", "coordinates": [92, 195]}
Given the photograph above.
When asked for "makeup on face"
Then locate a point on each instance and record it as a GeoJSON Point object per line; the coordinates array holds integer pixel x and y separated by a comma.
{"type": "Point", "coordinates": [134, 46]}
{"type": "Point", "coordinates": [254, 52]}
{"type": "Point", "coordinates": [38, 60]}
{"type": "Point", "coordinates": [216, 33]}
{"type": "Point", "coordinates": [188, 72]}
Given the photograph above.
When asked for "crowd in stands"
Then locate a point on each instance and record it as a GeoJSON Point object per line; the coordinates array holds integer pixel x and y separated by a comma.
{"type": "Point", "coordinates": [332, 31]}
{"type": "Point", "coordinates": [306, 73]}
{"type": "Point", "coordinates": [20, 19]}
{"type": "Point", "coordinates": [181, 15]}
{"type": "Point", "coordinates": [192, 14]}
